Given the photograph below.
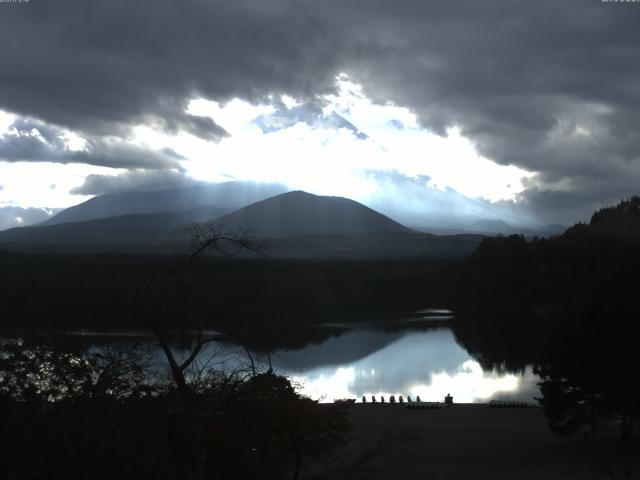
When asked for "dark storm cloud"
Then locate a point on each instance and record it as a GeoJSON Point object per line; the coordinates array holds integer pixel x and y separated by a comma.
{"type": "Point", "coordinates": [101, 66]}
{"type": "Point", "coordinates": [135, 180]}
{"type": "Point", "coordinates": [172, 118]}
{"type": "Point", "coordinates": [35, 141]}
{"type": "Point", "coordinates": [583, 196]}
{"type": "Point", "coordinates": [549, 86]}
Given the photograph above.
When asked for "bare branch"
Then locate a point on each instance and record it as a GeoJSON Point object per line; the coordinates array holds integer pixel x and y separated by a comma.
{"type": "Point", "coordinates": [253, 365]}
{"type": "Point", "coordinates": [214, 239]}
{"type": "Point", "coordinates": [200, 343]}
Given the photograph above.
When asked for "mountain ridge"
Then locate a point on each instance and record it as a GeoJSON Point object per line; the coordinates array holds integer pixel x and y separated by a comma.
{"type": "Point", "coordinates": [294, 225]}
{"type": "Point", "coordinates": [133, 229]}
{"type": "Point", "coordinates": [231, 195]}
{"type": "Point", "coordinates": [302, 213]}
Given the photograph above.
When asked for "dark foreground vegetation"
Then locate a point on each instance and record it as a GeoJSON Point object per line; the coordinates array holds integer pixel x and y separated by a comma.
{"type": "Point", "coordinates": [107, 414]}
{"type": "Point", "coordinates": [567, 305]}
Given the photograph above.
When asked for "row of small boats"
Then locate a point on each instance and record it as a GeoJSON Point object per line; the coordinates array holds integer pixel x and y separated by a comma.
{"type": "Point", "coordinates": [418, 404]}
{"type": "Point", "coordinates": [392, 399]}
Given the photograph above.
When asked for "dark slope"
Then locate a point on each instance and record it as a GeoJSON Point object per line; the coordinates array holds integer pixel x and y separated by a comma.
{"type": "Point", "coordinates": [125, 231]}
{"type": "Point", "coordinates": [229, 195]}
{"type": "Point", "coordinates": [301, 225]}
{"type": "Point", "coordinates": [301, 213]}
{"type": "Point", "coordinates": [293, 225]}
{"type": "Point", "coordinates": [373, 245]}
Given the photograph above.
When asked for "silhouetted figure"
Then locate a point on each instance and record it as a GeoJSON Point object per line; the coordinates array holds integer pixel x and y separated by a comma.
{"type": "Point", "coordinates": [418, 399]}
{"type": "Point", "coordinates": [364, 399]}
{"type": "Point", "coordinates": [373, 399]}
{"type": "Point", "coordinates": [381, 399]}
{"type": "Point", "coordinates": [448, 400]}
{"type": "Point", "coordinates": [409, 399]}
{"type": "Point", "coordinates": [392, 399]}
{"type": "Point", "coordinates": [400, 399]}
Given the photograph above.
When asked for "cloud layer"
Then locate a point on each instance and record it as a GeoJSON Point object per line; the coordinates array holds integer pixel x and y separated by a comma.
{"type": "Point", "coordinates": [36, 141]}
{"type": "Point", "coordinates": [551, 87]}
{"type": "Point", "coordinates": [103, 66]}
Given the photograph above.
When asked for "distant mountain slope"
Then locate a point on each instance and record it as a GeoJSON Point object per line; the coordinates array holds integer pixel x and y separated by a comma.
{"type": "Point", "coordinates": [373, 245]}
{"type": "Point", "coordinates": [136, 230]}
{"type": "Point", "coordinates": [229, 195]}
{"type": "Point", "coordinates": [301, 213]}
{"type": "Point", "coordinates": [495, 227]}
{"type": "Point", "coordinates": [11, 217]}
{"type": "Point", "coordinates": [293, 225]}
{"type": "Point", "coordinates": [286, 118]}
{"type": "Point", "coordinates": [504, 228]}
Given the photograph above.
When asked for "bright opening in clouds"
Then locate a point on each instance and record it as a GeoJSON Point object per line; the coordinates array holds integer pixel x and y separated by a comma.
{"type": "Point", "coordinates": [334, 150]}
{"type": "Point", "coordinates": [45, 184]}
{"type": "Point", "coordinates": [342, 144]}
{"type": "Point", "coordinates": [385, 103]}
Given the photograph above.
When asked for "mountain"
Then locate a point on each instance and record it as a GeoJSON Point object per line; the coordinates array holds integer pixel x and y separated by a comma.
{"type": "Point", "coordinates": [553, 230]}
{"type": "Point", "coordinates": [21, 217]}
{"type": "Point", "coordinates": [228, 195]}
{"type": "Point", "coordinates": [293, 225]}
{"type": "Point", "coordinates": [503, 228]}
{"type": "Point", "coordinates": [301, 213]}
{"type": "Point", "coordinates": [301, 225]}
{"type": "Point", "coordinates": [420, 203]}
{"type": "Point", "coordinates": [308, 114]}
{"type": "Point", "coordinates": [495, 227]}
{"type": "Point", "coordinates": [122, 233]}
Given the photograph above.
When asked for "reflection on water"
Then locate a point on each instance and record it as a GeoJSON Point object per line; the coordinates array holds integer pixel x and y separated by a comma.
{"type": "Point", "coordinates": [349, 362]}
{"type": "Point", "coordinates": [427, 363]}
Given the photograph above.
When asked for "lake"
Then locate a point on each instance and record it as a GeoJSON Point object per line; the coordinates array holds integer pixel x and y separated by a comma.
{"type": "Point", "coordinates": [416, 362]}
{"type": "Point", "coordinates": [418, 356]}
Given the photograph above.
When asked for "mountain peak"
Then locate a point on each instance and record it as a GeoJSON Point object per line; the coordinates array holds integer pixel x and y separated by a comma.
{"type": "Point", "coordinates": [302, 213]}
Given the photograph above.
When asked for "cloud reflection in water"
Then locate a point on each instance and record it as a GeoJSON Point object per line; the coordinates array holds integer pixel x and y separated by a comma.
{"type": "Point", "coordinates": [426, 363]}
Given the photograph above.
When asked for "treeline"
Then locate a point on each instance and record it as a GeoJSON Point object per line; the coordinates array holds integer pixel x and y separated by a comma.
{"type": "Point", "coordinates": [58, 292]}
{"type": "Point", "coordinates": [569, 307]}
{"type": "Point", "coordinates": [591, 265]}
{"type": "Point", "coordinates": [520, 295]}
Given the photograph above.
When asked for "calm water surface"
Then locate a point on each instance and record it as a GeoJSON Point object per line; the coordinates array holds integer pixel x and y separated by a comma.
{"type": "Point", "coordinates": [428, 363]}
{"type": "Point", "coordinates": [373, 360]}
{"type": "Point", "coordinates": [420, 358]}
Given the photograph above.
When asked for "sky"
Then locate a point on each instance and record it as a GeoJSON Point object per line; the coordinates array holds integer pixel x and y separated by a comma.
{"type": "Point", "coordinates": [523, 110]}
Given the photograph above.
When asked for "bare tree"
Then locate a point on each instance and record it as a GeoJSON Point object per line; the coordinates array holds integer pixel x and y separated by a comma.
{"type": "Point", "coordinates": [189, 420]}
{"type": "Point", "coordinates": [211, 238]}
